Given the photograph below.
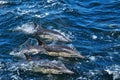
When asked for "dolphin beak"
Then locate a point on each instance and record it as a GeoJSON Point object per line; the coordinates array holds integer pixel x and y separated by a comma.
{"type": "Point", "coordinates": [68, 71]}
{"type": "Point", "coordinates": [67, 40]}
{"type": "Point", "coordinates": [80, 56]}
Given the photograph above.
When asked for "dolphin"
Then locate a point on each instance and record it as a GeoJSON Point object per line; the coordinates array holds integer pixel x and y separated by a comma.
{"type": "Point", "coordinates": [42, 66]}
{"type": "Point", "coordinates": [25, 52]}
{"type": "Point", "coordinates": [49, 34]}
{"type": "Point", "coordinates": [60, 51]}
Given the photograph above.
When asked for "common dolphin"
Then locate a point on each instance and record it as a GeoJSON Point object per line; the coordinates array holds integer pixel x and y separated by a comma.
{"type": "Point", "coordinates": [27, 50]}
{"type": "Point", "coordinates": [49, 34]}
{"type": "Point", "coordinates": [42, 66]}
{"type": "Point", "coordinates": [30, 50]}
{"type": "Point", "coordinates": [60, 51]}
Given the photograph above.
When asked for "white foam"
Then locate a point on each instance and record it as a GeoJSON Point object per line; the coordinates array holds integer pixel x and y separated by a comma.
{"type": "Point", "coordinates": [64, 34]}
{"type": "Point", "coordinates": [16, 77]}
{"type": "Point", "coordinates": [92, 58]}
{"type": "Point", "coordinates": [1, 65]}
{"type": "Point", "coordinates": [49, 1]}
{"type": "Point", "coordinates": [21, 11]}
{"type": "Point", "coordinates": [18, 54]}
{"type": "Point", "coordinates": [3, 2]}
{"type": "Point", "coordinates": [23, 66]}
{"type": "Point", "coordinates": [81, 78]}
{"type": "Point", "coordinates": [94, 37]}
{"type": "Point", "coordinates": [71, 46]}
{"type": "Point", "coordinates": [42, 15]}
{"type": "Point", "coordinates": [114, 70]}
{"type": "Point", "coordinates": [27, 28]}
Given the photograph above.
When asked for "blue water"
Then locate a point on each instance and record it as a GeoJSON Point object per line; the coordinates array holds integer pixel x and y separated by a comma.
{"type": "Point", "coordinates": [92, 25]}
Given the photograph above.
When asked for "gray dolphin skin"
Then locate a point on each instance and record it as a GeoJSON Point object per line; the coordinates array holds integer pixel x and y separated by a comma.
{"type": "Point", "coordinates": [24, 53]}
{"type": "Point", "coordinates": [34, 49]}
{"type": "Point", "coordinates": [60, 51]}
{"type": "Point", "coordinates": [51, 50]}
{"type": "Point", "coordinates": [42, 66]}
{"type": "Point", "coordinates": [50, 34]}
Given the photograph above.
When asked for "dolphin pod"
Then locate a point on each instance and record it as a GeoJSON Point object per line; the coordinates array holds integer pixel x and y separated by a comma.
{"type": "Point", "coordinates": [51, 50]}
{"type": "Point", "coordinates": [47, 66]}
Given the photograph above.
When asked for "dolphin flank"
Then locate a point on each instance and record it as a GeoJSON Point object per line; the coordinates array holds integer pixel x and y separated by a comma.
{"type": "Point", "coordinates": [60, 51]}
{"type": "Point", "coordinates": [42, 66]}
{"type": "Point", "coordinates": [49, 34]}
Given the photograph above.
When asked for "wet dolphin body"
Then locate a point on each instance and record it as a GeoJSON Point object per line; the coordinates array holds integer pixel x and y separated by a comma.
{"type": "Point", "coordinates": [49, 34]}
{"type": "Point", "coordinates": [60, 51]}
{"type": "Point", "coordinates": [24, 53]}
{"type": "Point", "coordinates": [52, 50]}
{"type": "Point", "coordinates": [42, 66]}
{"type": "Point", "coordinates": [33, 50]}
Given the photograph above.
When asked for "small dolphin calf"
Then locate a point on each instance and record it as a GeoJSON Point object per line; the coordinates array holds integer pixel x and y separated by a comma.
{"type": "Point", "coordinates": [60, 51]}
{"type": "Point", "coordinates": [42, 66]}
{"type": "Point", "coordinates": [49, 34]}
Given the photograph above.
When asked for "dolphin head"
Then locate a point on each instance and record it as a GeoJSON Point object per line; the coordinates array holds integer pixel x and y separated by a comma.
{"type": "Point", "coordinates": [62, 38]}
{"type": "Point", "coordinates": [76, 54]}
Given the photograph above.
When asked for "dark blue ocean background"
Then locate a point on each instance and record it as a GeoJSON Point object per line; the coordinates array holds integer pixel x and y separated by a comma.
{"type": "Point", "coordinates": [92, 25]}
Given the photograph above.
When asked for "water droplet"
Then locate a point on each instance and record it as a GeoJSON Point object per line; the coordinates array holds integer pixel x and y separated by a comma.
{"type": "Point", "coordinates": [94, 37]}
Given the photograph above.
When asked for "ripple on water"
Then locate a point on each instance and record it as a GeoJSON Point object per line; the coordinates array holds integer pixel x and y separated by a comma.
{"type": "Point", "coordinates": [113, 70]}
{"type": "Point", "coordinates": [93, 24]}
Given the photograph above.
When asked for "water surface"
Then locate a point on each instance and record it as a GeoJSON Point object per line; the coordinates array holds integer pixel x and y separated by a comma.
{"type": "Point", "coordinates": [92, 25]}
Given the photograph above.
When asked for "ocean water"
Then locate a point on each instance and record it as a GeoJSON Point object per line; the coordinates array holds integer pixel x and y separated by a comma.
{"type": "Point", "coordinates": [92, 25]}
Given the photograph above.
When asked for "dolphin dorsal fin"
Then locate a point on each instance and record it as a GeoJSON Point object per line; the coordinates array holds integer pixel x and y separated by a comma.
{"type": "Point", "coordinates": [29, 46]}
{"type": "Point", "coordinates": [41, 43]}
{"type": "Point", "coordinates": [27, 56]}
{"type": "Point", "coordinates": [37, 26]}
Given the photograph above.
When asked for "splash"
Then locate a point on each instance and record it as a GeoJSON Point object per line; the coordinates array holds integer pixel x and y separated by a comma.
{"type": "Point", "coordinates": [26, 28]}
{"type": "Point", "coordinates": [42, 15]}
{"type": "Point", "coordinates": [68, 37]}
{"type": "Point", "coordinates": [114, 70]}
{"type": "Point", "coordinates": [7, 2]}
{"type": "Point", "coordinates": [3, 2]}
{"type": "Point", "coordinates": [1, 66]}
{"type": "Point", "coordinates": [92, 58]}
{"type": "Point", "coordinates": [19, 52]}
{"type": "Point", "coordinates": [94, 37]}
